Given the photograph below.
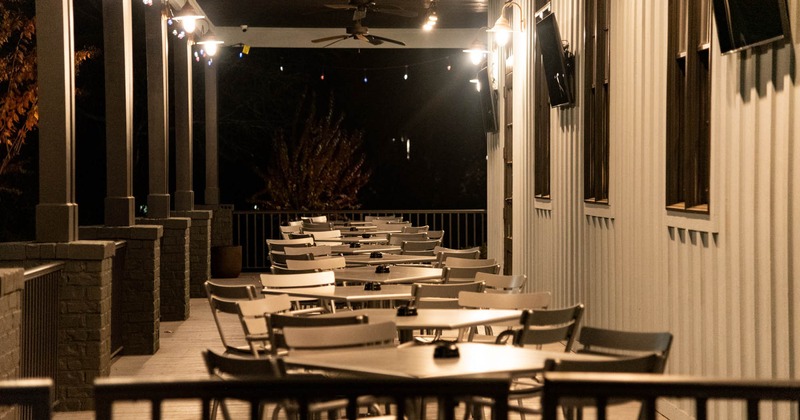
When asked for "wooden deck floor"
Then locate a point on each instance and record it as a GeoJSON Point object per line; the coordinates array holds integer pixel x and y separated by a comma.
{"type": "Point", "coordinates": [180, 355]}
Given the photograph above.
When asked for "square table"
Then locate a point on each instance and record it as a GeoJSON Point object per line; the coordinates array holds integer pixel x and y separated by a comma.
{"type": "Point", "coordinates": [347, 294]}
{"type": "Point", "coordinates": [364, 249]}
{"type": "Point", "coordinates": [435, 319]}
{"type": "Point", "coordinates": [352, 239]}
{"type": "Point", "coordinates": [365, 259]}
{"type": "Point", "coordinates": [396, 274]}
{"type": "Point", "coordinates": [418, 362]}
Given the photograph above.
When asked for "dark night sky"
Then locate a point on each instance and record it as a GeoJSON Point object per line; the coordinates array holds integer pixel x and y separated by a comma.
{"type": "Point", "coordinates": [437, 108]}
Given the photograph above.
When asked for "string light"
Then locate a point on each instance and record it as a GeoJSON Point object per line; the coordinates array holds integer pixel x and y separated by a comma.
{"type": "Point", "coordinates": [405, 76]}
{"type": "Point", "coordinates": [322, 75]}
{"type": "Point", "coordinates": [448, 64]}
{"type": "Point", "coordinates": [365, 76]}
{"type": "Point", "coordinates": [148, 2]}
{"type": "Point", "coordinates": [432, 17]}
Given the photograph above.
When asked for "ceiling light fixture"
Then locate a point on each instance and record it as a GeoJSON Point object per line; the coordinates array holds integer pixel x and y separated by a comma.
{"type": "Point", "coordinates": [188, 16]}
{"type": "Point", "coordinates": [210, 43]}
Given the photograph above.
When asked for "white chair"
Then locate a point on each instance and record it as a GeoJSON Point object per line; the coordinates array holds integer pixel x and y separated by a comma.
{"type": "Point", "coordinates": [222, 299]}
{"type": "Point", "coordinates": [418, 247]}
{"type": "Point", "coordinates": [441, 296]}
{"type": "Point", "coordinates": [286, 282]}
{"type": "Point", "coordinates": [499, 283]}
{"type": "Point", "coordinates": [317, 227]}
{"type": "Point", "coordinates": [467, 274]}
{"type": "Point", "coordinates": [466, 263]}
{"type": "Point", "coordinates": [436, 234]}
{"type": "Point", "coordinates": [315, 251]}
{"type": "Point", "coordinates": [488, 300]}
{"type": "Point", "coordinates": [326, 235]}
{"type": "Point", "coordinates": [415, 229]}
{"type": "Point", "coordinates": [443, 253]}
{"type": "Point", "coordinates": [287, 230]}
{"type": "Point", "coordinates": [280, 244]}
{"type": "Point", "coordinates": [398, 238]}
{"type": "Point", "coordinates": [252, 315]}
{"type": "Point", "coordinates": [340, 336]}
{"type": "Point", "coordinates": [322, 264]}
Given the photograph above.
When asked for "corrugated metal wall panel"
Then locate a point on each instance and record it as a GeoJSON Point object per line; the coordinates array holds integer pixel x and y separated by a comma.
{"type": "Point", "coordinates": [725, 286]}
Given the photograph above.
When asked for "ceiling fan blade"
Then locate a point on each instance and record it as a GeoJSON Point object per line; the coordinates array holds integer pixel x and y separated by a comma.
{"type": "Point", "coordinates": [374, 40]}
{"type": "Point", "coordinates": [329, 38]}
{"type": "Point", "coordinates": [340, 6]}
{"type": "Point", "coordinates": [338, 40]}
{"type": "Point", "coordinates": [362, 37]}
{"type": "Point", "coordinates": [393, 41]}
{"type": "Point", "coordinates": [396, 12]}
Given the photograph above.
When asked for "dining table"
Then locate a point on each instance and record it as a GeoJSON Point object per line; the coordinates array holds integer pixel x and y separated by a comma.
{"type": "Point", "coordinates": [434, 319]}
{"type": "Point", "coordinates": [396, 274]}
{"type": "Point", "coordinates": [330, 295]}
{"type": "Point", "coordinates": [365, 249]}
{"type": "Point", "coordinates": [381, 258]}
{"type": "Point", "coordinates": [355, 239]}
{"type": "Point", "coordinates": [418, 361]}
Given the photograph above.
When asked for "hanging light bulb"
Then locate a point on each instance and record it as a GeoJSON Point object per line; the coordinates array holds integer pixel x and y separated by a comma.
{"type": "Point", "coordinates": [477, 50]}
{"type": "Point", "coordinates": [147, 2]}
{"type": "Point", "coordinates": [448, 64]}
{"type": "Point", "coordinates": [188, 16]}
{"type": "Point", "coordinates": [365, 76]}
{"type": "Point", "coordinates": [322, 75]}
{"type": "Point", "coordinates": [405, 76]}
{"type": "Point", "coordinates": [210, 43]}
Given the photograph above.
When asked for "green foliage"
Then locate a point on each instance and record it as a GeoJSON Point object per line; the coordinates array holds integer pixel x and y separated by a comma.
{"type": "Point", "coordinates": [319, 165]}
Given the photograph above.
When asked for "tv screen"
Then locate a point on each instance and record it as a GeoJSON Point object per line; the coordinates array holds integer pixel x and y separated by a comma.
{"type": "Point", "coordinates": [746, 23]}
{"type": "Point", "coordinates": [556, 64]}
{"type": "Point", "coordinates": [488, 101]}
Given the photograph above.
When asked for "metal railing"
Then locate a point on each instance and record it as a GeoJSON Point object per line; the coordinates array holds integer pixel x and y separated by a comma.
{"type": "Point", "coordinates": [39, 326]}
{"type": "Point", "coordinates": [302, 390]}
{"type": "Point", "coordinates": [33, 396]}
{"type": "Point", "coordinates": [251, 229]}
{"type": "Point", "coordinates": [600, 388]}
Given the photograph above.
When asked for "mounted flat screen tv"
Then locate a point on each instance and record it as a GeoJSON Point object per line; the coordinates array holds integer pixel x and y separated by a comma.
{"type": "Point", "coordinates": [556, 61]}
{"type": "Point", "coordinates": [744, 24]}
{"type": "Point", "coordinates": [488, 101]}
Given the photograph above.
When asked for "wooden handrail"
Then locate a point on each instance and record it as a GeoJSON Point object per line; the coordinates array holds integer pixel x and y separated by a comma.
{"type": "Point", "coordinates": [649, 387]}
{"type": "Point", "coordinates": [300, 389]}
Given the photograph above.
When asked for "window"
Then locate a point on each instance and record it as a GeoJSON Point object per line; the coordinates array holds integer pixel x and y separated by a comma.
{"type": "Point", "coordinates": [688, 106]}
{"type": "Point", "coordinates": [541, 183]}
{"type": "Point", "coordinates": [595, 116]}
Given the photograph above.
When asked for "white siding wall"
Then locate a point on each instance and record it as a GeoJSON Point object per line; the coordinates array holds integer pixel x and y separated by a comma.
{"type": "Point", "coordinates": [724, 285]}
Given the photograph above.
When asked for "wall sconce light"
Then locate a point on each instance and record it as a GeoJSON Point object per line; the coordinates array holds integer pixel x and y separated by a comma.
{"type": "Point", "coordinates": [188, 17]}
{"type": "Point", "coordinates": [210, 43]}
{"type": "Point", "coordinates": [502, 28]}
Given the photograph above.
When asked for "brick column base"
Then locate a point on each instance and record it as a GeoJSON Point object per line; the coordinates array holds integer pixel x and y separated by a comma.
{"type": "Point", "coordinates": [174, 292]}
{"type": "Point", "coordinates": [200, 253]}
{"type": "Point", "coordinates": [141, 285]}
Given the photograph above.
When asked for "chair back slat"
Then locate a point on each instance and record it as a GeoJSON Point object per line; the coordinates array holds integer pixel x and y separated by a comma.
{"type": "Point", "coordinates": [277, 322]}
{"type": "Point", "coordinates": [550, 326]}
{"type": "Point", "coordinates": [342, 336]}
{"type": "Point", "coordinates": [487, 300]}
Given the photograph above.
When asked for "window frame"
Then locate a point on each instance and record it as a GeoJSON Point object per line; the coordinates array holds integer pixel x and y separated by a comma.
{"type": "Point", "coordinates": [596, 138]}
{"type": "Point", "coordinates": [688, 131]}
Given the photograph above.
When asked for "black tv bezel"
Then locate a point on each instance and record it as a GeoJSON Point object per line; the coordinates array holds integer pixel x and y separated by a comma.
{"type": "Point", "coordinates": [488, 99]}
{"type": "Point", "coordinates": [725, 27]}
{"type": "Point", "coordinates": [563, 59]}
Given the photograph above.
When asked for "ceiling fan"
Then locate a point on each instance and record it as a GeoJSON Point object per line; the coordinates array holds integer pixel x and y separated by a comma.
{"type": "Point", "coordinates": [360, 32]}
{"type": "Point", "coordinates": [360, 8]}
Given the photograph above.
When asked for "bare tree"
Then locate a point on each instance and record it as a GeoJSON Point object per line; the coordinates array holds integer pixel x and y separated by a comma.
{"type": "Point", "coordinates": [317, 165]}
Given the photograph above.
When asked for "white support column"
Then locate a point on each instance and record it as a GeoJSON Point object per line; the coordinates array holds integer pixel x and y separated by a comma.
{"type": "Point", "coordinates": [184, 195]}
{"type": "Point", "coordinates": [118, 39]}
{"type": "Point", "coordinates": [158, 200]}
{"type": "Point", "coordinates": [212, 155]}
{"type": "Point", "coordinates": [57, 212]}
{"type": "Point", "coordinates": [495, 164]}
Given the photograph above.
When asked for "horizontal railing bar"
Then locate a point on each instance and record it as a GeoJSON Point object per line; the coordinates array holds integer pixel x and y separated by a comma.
{"type": "Point", "coordinates": [43, 270]}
